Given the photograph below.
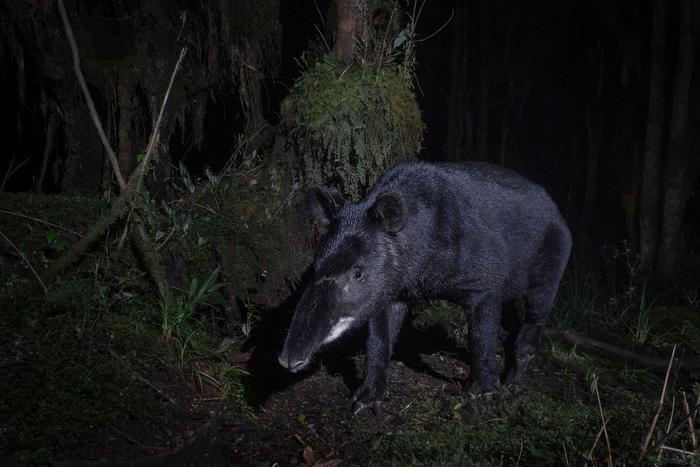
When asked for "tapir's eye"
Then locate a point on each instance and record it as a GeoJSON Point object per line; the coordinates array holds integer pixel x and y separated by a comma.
{"type": "Point", "coordinates": [357, 274]}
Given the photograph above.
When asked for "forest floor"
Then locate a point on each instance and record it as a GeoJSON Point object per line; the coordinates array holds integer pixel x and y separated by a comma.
{"type": "Point", "coordinates": [89, 377]}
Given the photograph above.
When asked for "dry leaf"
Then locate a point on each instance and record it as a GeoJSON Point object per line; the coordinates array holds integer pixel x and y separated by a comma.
{"type": "Point", "coordinates": [309, 456]}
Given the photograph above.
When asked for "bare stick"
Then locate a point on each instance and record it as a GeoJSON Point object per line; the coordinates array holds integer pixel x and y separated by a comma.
{"type": "Point", "coordinates": [41, 283]}
{"type": "Point", "coordinates": [680, 451]}
{"type": "Point", "coordinates": [86, 93]}
{"type": "Point", "coordinates": [589, 457]}
{"type": "Point", "coordinates": [674, 430]}
{"type": "Point", "coordinates": [673, 411]}
{"type": "Point", "coordinates": [661, 405]}
{"type": "Point", "coordinates": [41, 221]}
{"type": "Point", "coordinates": [691, 424]}
{"type": "Point", "coordinates": [602, 417]}
{"type": "Point", "coordinates": [517, 462]}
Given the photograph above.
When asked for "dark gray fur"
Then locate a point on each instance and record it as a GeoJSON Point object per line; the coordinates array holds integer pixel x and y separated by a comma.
{"type": "Point", "coordinates": [473, 233]}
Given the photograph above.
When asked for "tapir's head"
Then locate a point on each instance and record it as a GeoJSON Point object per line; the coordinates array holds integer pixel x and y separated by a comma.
{"type": "Point", "coordinates": [357, 270]}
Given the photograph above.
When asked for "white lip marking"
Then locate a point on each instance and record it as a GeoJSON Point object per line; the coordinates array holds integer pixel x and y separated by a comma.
{"type": "Point", "coordinates": [338, 328]}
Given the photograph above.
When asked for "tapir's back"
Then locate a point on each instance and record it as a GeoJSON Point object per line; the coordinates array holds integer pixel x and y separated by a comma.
{"type": "Point", "coordinates": [480, 191]}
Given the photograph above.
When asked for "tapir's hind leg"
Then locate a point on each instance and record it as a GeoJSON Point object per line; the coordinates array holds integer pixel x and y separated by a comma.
{"type": "Point", "coordinates": [539, 299]}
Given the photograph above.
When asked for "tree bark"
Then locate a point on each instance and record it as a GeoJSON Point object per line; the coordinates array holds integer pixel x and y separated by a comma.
{"type": "Point", "coordinates": [48, 147]}
{"type": "Point", "coordinates": [675, 175]}
{"type": "Point", "coordinates": [649, 202]}
{"type": "Point", "coordinates": [351, 27]}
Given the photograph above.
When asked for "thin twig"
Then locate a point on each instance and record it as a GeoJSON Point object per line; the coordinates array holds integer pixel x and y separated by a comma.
{"type": "Point", "coordinates": [673, 411]}
{"type": "Point", "coordinates": [680, 451]}
{"type": "Point", "coordinates": [41, 283]}
{"type": "Point", "coordinates": [589, 457]}
{"type": "Point", "coordinates": [691, 424]}
{"type": "Point", "coordinates": [522, 441]}
{"type": "Point", "coordinates": [602, 417]}
{"type": "Point", "coordinates": [86, 93]}
{"type": "Point", "coordinates": [437, 30]}
{"type": "Point", "coordinates": [41, 221]}
{"type": "Point", "coordinates": [647, 439]}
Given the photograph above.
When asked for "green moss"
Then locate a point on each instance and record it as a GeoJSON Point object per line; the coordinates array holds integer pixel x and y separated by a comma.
{"type": "Point", "coordinates": [348, 123]}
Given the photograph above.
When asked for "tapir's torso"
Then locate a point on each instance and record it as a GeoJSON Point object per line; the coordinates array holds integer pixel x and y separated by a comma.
{"type": "Point", "coordinates": [474, 229]}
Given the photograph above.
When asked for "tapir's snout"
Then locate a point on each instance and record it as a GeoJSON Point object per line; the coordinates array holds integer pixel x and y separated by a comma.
{"type": "Point", "coordinates": [292, 365]}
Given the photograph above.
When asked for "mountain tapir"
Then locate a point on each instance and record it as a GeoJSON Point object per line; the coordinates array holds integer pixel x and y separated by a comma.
{"type": "Point", "coordinates": [472, 233]}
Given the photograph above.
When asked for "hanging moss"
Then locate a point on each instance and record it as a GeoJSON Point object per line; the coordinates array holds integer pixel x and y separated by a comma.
{"type": "Point", "coordinates": [348, 123]}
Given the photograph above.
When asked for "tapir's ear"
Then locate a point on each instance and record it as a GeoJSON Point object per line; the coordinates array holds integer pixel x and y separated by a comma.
{"type": "Point", "coordinates": [390, 212]}
{"type": "Point", "coordinates": [323, 205]}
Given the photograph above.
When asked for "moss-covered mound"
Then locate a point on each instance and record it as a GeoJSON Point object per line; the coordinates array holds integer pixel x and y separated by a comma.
{"type": "Point", "coordinates": [348, 123]}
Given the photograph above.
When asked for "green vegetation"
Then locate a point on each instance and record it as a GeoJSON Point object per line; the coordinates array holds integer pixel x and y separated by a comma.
{"type": "Point", "coordinates": [632, 310]}
{"type": "Point", "coordinates": [77, 357]}
{"type": "Point", "coordinates": [350, 122]}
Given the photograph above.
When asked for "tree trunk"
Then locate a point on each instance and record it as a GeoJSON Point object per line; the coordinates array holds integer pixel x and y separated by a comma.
{"type": "Point", "coordinates": [48, 147]}
{"type": "Point", "coordinates": [675, 175]}
{"type": "Point", "coordinates": [649, 202]}
{"type": "Point", "coordinates": [351, 27]}
{"type": "Point", "coordinates": [482, 130]}
{"type": "Point", "coordinates": [459, 122]}
{"type": "Point", "coordinates": [594, 131]}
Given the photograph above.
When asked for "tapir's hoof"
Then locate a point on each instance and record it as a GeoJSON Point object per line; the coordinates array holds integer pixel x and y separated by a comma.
{"type": "Point", "coordinates": [358, 407]}
{"type": "Point", "coordinates": [483, 391]}
{"type": "Point", "coordinates": [477, 404]}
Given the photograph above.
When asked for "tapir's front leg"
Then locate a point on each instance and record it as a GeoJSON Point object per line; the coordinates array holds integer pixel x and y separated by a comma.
{"type": "Point", "coordinates": [383, 331]}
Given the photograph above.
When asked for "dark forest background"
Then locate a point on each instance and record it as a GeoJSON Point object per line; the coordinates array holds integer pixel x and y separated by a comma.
{"type": "Point", "coordinates": [165, 259]}
{"type": "Point", "coordinates": [591, 99]}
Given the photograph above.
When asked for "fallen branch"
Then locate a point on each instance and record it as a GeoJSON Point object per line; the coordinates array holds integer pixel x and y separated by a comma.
{"type": "Point", "coordinates": [609, 350]}
{"type": "Point", "coordinates": [124, 202]}
{"type": "Point", "coordinates": [41, 283]}
{"type": "Point", "coordinates": [115, 355]}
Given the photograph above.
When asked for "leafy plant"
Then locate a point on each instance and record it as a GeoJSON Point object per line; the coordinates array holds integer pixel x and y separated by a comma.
{"type": "Point", "coordinates": [185, 177]}
{"type": "Point", "coordinates": [232, 387]}
{"type": "Point", "coordinates": [252, 315]}
{"type": "Point", "coordinates": [178, 320]}
{"type": "Point", "coordinates": [55, 241]}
